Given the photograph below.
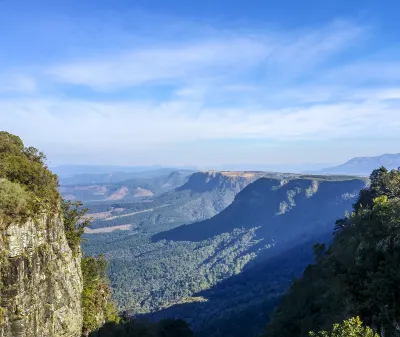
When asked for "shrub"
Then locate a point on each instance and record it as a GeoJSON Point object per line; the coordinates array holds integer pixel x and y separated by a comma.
{"type": "Point", "coordinates": [13, 198]}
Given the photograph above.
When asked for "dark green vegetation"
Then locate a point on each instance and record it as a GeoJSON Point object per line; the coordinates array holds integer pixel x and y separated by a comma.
{"type": "Point", "coordinates": [27, 187]}
{"type": "Point", "coordinates": [357, 275]}
{"type": "Point", "coordinates": [140, 328]}
{"type": "Point", "coordinates": [74, 223]}
{"type": "Point", "coordinates": [96, 296]}
{"type": "Point", "coordinates": [223, 275]}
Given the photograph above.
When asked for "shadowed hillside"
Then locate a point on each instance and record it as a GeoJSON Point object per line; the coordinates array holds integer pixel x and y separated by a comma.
{"type": "Point", "coordinates": [283, 210]}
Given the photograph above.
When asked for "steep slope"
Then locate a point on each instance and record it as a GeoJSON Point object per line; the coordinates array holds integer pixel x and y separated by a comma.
{"type": "Point", "coordinates": [224, 180]}
{"type": "Point", "coordinates": [365, 165]}
{"type": "Point", "coordinates": [41, 282]}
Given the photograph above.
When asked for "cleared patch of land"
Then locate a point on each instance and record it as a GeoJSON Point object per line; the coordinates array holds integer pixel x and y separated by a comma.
{"type": "Point", "coordinates": [129, 214]}
{"type": "Point", "coordinates": [100, 215]}
{"type": "Point", "coordinates": [120, 194]}
{"type": "Point", "coordinates": [142, 192]}
{"type": "Point", "coordinates": [108, 229]}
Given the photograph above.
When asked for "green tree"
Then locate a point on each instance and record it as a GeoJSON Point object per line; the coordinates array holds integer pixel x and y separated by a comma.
{"type": "Point", "coordinates": [75, 222]}
{"type": "Point", "coordinates": [97, 305]}
{"type": "Point", "coordinates": [350, 328]}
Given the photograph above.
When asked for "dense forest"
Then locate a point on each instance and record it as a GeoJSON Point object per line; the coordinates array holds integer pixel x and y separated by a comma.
{"type": "Point", "coordinates": [357, 275]}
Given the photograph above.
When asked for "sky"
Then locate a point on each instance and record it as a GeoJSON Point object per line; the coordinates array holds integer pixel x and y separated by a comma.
{"type": "Point", "coordinates": [201, 83]}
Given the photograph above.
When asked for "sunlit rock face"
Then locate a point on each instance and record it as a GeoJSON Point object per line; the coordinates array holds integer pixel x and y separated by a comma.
{"type": "Point", "coordinates": [40, 281]}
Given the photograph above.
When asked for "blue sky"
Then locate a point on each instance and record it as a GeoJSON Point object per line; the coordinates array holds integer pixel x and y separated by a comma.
{"type": "Point", "coordinates": [201, 83]}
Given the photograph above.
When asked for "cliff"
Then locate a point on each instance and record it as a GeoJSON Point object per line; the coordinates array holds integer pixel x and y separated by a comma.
{"type": "Point", "coordinates": [40, 281]}
{"type": "Point", "coordinates": [211, 180]}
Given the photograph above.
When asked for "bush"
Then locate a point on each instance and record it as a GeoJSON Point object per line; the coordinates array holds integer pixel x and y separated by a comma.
{"type": "Point", "coordinates": [13, 198]}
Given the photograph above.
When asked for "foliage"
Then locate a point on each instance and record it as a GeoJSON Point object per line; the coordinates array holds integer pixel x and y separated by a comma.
{"type": "Point", "coordinates": [75, 223]}
{"type": "Point", "coordinates": [97, 306]}
{"type": "Point", "coordinates": [31, 180]}
{"type": "Point", "coordinates": [140, 328]}
{"type": "Point", "coordinates": [357, 275]}
{"type": "Point", "coordinates": [350, 328]}
{"type": "Point", "coordinates": [13, 199]}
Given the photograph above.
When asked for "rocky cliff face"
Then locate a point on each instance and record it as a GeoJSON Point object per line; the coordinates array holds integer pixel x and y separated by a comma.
{"type": "Point", "coordinates": [212, 180]}
{"type": "Point", "coordinates": [40, 281]}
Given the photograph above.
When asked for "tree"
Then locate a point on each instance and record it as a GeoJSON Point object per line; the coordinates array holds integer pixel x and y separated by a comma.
{"type": "Point", "coordinates": [350, 328]}
{"type": "Point", "coordinates": [75, 223]}
{"type": "Point", "coordinates": [97, 305]}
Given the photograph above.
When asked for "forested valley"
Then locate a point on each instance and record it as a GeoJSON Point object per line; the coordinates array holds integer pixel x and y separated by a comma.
{"type": "Point", "coordinates": [273, 255]}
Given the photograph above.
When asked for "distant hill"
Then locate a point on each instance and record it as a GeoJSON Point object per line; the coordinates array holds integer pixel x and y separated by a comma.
{"type": "Point", "coordinates": [364, 165]}
{"type": "Point", "coordinates": [108, 187]}
{"type": "Point", "coordinates": [199, 197]}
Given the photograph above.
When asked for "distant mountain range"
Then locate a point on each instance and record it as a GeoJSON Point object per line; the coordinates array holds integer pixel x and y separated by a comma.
{"type": "Point", "coordinates": [364, 165]}
{"type": "Point", "coordinates": [121, 185]}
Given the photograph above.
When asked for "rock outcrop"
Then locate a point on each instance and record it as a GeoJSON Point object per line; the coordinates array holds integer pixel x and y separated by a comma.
{"type": "Point", "coordinates": [40, 280]}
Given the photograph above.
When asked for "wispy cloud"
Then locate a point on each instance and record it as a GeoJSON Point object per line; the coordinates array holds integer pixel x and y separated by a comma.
{"type": "Point", "coordinates": [262, 85]}
{"type": "Point", "coordinates": [222, 56]}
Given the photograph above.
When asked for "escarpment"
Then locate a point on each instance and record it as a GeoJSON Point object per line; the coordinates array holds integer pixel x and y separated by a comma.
{"type": "Point", "coordinates": [40, 275]}
{"type": "Point", "coordinates": [41, 281]}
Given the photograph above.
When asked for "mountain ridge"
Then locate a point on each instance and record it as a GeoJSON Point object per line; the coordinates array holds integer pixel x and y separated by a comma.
{"type": "Point", "coordinates": [365, 165]}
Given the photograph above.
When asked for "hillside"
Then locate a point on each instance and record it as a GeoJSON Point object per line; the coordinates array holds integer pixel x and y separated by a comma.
{"type": "Point", "coordinates": [204, 195]}
{"type": "Point", "coordinates": [273, 205]}
{"type": "Point", "coordinates": [365, 165]}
